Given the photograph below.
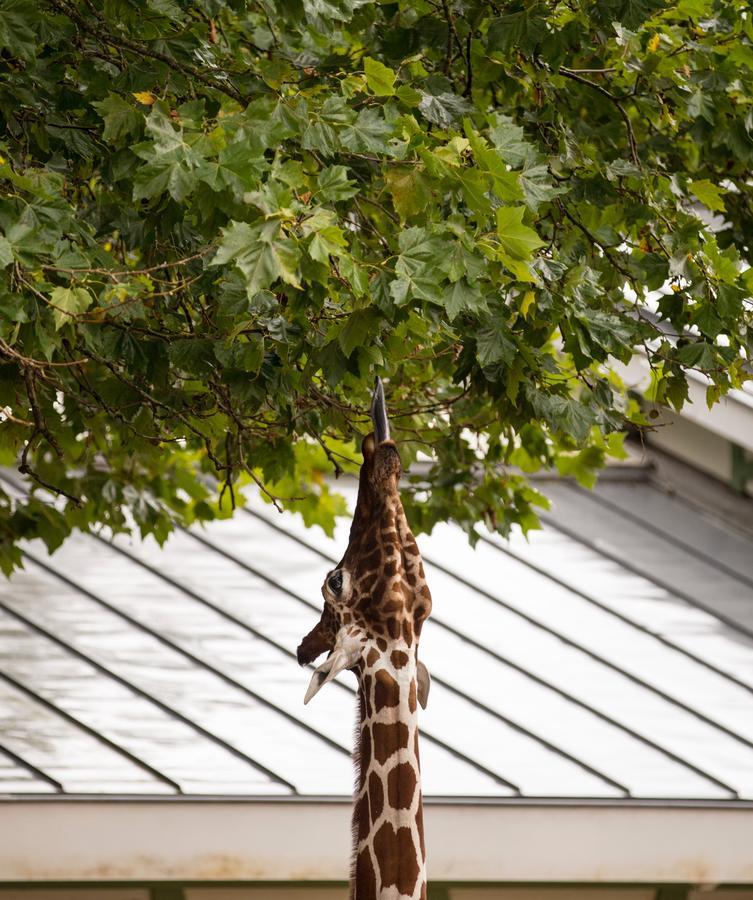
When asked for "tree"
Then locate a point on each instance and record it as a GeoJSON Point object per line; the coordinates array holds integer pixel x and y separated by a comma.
{"type": "Point", "coordinates": [221, 219]}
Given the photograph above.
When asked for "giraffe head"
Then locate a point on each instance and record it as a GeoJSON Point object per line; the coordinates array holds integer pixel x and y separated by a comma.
{"type": "Point", "coordinates": [376, 599]}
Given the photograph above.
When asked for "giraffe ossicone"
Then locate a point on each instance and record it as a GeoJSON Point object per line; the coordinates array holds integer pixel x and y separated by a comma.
{"type": "Point", "coordinates": [375, 603]}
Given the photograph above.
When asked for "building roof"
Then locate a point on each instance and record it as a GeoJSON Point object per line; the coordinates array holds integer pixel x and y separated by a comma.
{"type": "Point", "coordinates": [610, 656]}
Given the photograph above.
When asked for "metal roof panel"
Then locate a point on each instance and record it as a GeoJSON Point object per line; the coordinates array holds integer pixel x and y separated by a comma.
{"type": "Point", "coordinates": [557, 670]}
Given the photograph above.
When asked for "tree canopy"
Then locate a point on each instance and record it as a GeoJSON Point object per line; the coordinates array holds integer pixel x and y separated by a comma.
{"type": "Point", "coordinates": [221, 219]}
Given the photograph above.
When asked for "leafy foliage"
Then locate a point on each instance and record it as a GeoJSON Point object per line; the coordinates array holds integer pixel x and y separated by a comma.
{"type": "Point", "coordinates": [220, 219]}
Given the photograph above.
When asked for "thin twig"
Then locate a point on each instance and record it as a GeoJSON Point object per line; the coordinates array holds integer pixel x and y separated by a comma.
{"type": "Point", "coordinates": [143, 50]}
{"type": "Point", "coordinates": [574, 76]}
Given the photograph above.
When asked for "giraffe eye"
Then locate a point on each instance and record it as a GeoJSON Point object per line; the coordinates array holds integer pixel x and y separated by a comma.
{"type": "Point", "coordinates": [335, 581]}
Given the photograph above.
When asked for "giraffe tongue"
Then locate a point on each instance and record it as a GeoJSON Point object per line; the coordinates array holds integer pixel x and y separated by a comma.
{"type": "Point", "coordinates": [379, 413]}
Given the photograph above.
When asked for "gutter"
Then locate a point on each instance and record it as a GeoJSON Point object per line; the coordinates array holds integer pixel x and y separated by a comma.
{"type": "Point", "coordinates": [99, 840]}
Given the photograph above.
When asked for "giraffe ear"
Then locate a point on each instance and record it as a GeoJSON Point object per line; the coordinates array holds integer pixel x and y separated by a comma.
{"type": "Point", "coordinates": [423, 683]}
{"type": "Point", "coordinates": [345, 655]}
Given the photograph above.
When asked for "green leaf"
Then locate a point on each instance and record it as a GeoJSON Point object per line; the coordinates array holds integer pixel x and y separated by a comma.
{"type": "Point", "coordinates": [445, 109]}
{"type": "Point", "coordinates": [359, 328]}
{"type": "Point", "coordinates": [510, 141]}
{"type": "Point", "coordinates": [17, 34]}
{"type": "Point", "coordinates": [506, 184]}
{"type": "Point", "coordinates": [654, 269]}
{"type": "Point", "coordinates": [408, 95]}
{"type": "Point", "coordinates": [709, 194]}
{"type": "Point", "coordinates": [368, 134]}
{"type": "Point", "coordinates": [170, 164]}
{"type": "Point", "coordinates": [420, 266]}
{"type": "Point", "coordinates": [494, 342]}
{"type": "Point", "coordinates": [524, 29]}
{"type": "Point", "coordinates": [238, 168]}
{"type": "Point", "coordinates": [474, 188]}
{"type": "Point", "coordinates": [701, 105]}
{"type": "Point", "coordinates": [462, 297]}
{"type": "Point", "coordinates": [153, 180]}
{"type": "Point", "coordinates": [410, 190]}
{"type": "Point", "coordinates": [517, 240]}
{"type": "Point", "coordinates": [333, 183]}
{"type": "Point", "coordinates": [698, 354]}
{"type": "Point", "coordinates": [121, 119]}
{"type": "Point", "coordinates": [6, 252]}
{"type": "Point", "coordinates": [260, 253]}
{"type": "Point", "coordinates": [328, 241]}
{"type": "Point", "coordinates": [67, 303]}
{"type": "Point", "coordinates": [538, 188]}
{"type": "Point", "coordinates": [194, 356]}
{"type": "Point", "coordinates": [379, 78]}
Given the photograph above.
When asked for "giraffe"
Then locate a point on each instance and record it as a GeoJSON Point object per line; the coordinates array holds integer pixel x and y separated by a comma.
{"type": "Point", "coordinates": [375, 603]}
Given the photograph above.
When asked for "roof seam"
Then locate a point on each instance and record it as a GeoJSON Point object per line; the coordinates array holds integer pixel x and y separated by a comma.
{"type": "Point", "coordinates": [595, 497]}
{"type": "Point", "coordinates": [637, 570]}
{"type": "Point", "coordinates": [87, 729]}
{"type": "Point", "coordinates": [596, 656]}
{"type": "Point", "coordinates": [505, 661]}
{"type": "Point", "coordinates": [30, 767]}
{"type": "Point", "coordinates": [203, 664]}
{"type": "Point", "coordinates": [508, 551]}
{"type": "Point", "coordinates": [100, 667]}
{"type": "Point", "coordinates": [494, 713]}
{"type": "Point", "coordinates": [426, 734]}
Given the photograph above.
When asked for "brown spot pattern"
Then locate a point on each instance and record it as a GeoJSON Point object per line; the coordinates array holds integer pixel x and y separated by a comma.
{"type": "Point", "coordinates": [401, 786]}
{"type": "Point", "coordinates": [388, 739]}
{"type": "Point", "coordinates": [367, 582]}
{"type": "Point", "coordinates": [366, 694]}
{"type": "Point", "coordinates": [371, 561]}
{"type": "Point", "coordinates": [376, 796]}
{"type": "Point", "coordinates": [390, 601]}
{"type": "Point", "coordinates": [399, 659]}
{"type": "Point", "coordinates": [396, 858]}
{"type": "Point", "coordinates": [361, 817]}
{"type": "Point", "coordinates": [386, 691]}
{"type": "Point", "coordinates": [365, 877]}
{"type": "Point", "coordinates": [364, 750]}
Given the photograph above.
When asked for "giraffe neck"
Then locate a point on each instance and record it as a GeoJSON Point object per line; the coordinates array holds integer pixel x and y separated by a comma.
{"type": "Point", "coordinates": [389, 853]}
